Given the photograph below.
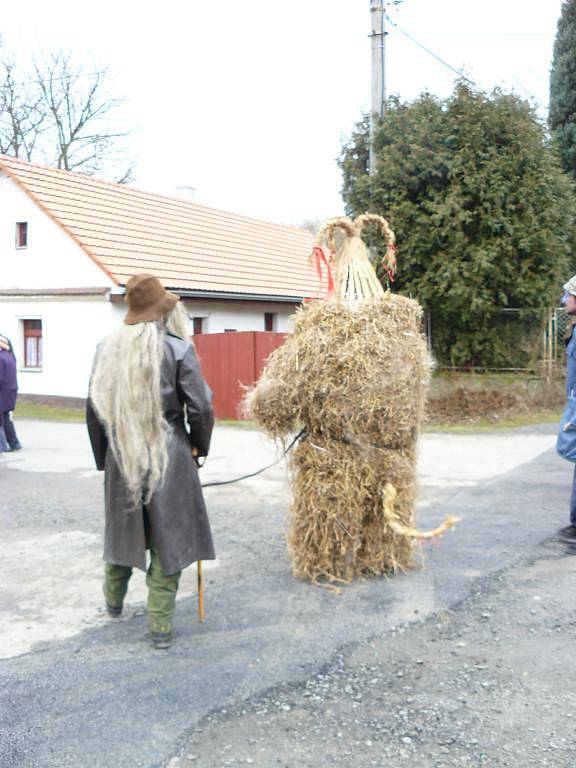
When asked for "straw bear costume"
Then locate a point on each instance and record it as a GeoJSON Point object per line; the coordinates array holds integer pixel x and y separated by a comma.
{"type": "Point", "coordinates": [354, 373]}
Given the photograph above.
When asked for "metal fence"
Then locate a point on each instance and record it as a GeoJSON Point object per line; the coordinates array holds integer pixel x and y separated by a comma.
{"type": "Point", "coordinates": [508, 340]}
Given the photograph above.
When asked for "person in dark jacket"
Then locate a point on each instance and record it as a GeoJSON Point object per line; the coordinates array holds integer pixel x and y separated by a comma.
{"type": "Point", "coordinates": [6, 340]}
{"type": "Point", "coordinates": [568, 534]}
{"type": "Point", "coordinates": [145, 386]}
{"type": "Point", "coordinates": [8, 394]}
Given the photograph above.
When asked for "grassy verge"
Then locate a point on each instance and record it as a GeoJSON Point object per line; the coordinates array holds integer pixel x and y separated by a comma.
{"type": "Point", "coordinates": [34, 411]}
{"type": "Point", "coordinates": [496, 424]}
{"type": "Point", "coordinates": [38, 412]}
{"type": "Point", "coordinates": [243, 424]}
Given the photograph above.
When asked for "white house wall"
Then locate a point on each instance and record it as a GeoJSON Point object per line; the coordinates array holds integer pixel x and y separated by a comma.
{"type": "Point", "coordinates": [72, 327]}
{"type": "Point", "coordinates": [220, 316]}
{"type": "Point", "coordinates": [52, 259]}
{"type": "Point", "coordinates": [71, 330]}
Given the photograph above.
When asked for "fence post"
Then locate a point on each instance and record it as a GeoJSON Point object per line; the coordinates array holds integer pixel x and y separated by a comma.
{"type": "Point", "coordinates": [429, 332]}
{"type": "Point", "coordinates": [554, 338]}
{"type": "Point", "coordinates": [549, 346]}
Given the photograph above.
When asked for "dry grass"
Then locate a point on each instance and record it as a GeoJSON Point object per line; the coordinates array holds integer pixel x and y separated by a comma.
{"type": "Point", "coordinates": [355, 375]}
{"type": "Point", "coordinates": [349, 372]}
{"type": "Point", "coordinates": [339, 528]}
{"type": "Point", "coordinates": [469, 399]}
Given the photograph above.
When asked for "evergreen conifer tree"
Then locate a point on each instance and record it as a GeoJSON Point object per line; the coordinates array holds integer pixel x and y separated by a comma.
{"type": "Point", "coordinates": [562, 115]}
{"type": "Point", "coordinates": [483, 214]}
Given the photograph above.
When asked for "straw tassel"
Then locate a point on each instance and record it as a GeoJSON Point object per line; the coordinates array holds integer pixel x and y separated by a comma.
{"type": "Point", "coordinates": [395, 524]}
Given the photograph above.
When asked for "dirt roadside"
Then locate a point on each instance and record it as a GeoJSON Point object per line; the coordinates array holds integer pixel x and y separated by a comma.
{"type": "Point", "coordinates": [490, 683]}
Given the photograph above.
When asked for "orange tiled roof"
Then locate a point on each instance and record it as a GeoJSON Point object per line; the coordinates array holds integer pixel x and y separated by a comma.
{"type": "Point", "coordinates": [188, 246]}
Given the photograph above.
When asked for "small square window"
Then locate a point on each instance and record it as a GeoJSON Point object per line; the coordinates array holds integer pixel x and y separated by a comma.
{"type": "Point", "coordinates": [198, 325]}
{"type": "Point", "coordinates": [269, 321]}
{"type": "Point", "coordinates": [22, 234]}
{"type": "Point", "coordinates": [229, 330]}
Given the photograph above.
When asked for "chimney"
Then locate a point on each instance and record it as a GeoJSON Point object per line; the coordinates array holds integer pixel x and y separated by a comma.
{"type": "Point", "coordinates": [186, 192]}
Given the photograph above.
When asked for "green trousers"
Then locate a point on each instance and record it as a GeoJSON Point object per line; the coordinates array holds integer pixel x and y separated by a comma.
{"type": "Point", "coordinates": [161, 591]}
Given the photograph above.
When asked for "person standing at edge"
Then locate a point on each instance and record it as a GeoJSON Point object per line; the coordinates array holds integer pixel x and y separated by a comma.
{"type": "Point", "coordinates": [145, 383]}
{"type": "Point", "coordinates": [568, 534]}
{"type": "Point", "coordinates": [7, 341]}
{"type": "Point", "coordinates": [8, 394]}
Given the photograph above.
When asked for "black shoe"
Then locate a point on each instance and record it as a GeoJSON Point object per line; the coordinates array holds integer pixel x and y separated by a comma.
{"type": "Point", "coordinates": [114, 610]}
{"type": "Point", "coordinates": [161, 640]}
{"type": "Point", "coordinates": [568, 534]}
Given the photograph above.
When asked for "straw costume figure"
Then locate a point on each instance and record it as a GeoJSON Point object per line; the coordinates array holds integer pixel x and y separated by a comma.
{"type": "Point", "coordinates": [354, 374]}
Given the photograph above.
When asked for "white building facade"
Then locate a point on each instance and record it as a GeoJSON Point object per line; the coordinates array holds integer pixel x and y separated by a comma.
{"type": "Point", "coordinates": [57, 300]}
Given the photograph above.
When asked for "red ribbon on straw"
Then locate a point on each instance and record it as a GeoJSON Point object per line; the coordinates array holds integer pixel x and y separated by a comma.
{"type": "Point", "coordinates": [321, 260]}
{"type": "Point", "coordinates": [389, 262]}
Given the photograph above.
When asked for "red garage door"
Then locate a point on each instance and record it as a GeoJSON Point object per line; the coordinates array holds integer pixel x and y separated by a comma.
{"type": "Point", "coordinates": [232, 361]}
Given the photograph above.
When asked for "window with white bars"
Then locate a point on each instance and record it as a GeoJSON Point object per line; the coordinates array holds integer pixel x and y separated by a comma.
{"type": "Point", "coordinates": [32, 336]}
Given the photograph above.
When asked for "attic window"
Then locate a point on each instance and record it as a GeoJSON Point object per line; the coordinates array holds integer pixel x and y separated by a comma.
{"type": "Point", "coordinates": [21, 234]}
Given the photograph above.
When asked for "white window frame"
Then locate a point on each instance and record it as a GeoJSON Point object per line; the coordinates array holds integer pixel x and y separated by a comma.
{"type": "Point", "coordinates": [22, 344]}
{"type": "Point", "coordinates": [16, 236]}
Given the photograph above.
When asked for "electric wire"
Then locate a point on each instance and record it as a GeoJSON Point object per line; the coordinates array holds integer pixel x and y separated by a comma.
{"type": "Point", "coordinates": [454, 69]}
{"type": "Point", "coordinates": [74, 76]}
{"type": "Point", "coordinates": [435, 55]}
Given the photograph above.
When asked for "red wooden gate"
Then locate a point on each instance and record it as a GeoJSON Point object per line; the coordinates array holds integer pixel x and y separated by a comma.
{"type": "Point", "coordinates": [232, 360]}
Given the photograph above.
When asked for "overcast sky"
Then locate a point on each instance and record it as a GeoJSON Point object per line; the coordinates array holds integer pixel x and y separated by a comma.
{"type": "Point", "coordinates": [250, 101]}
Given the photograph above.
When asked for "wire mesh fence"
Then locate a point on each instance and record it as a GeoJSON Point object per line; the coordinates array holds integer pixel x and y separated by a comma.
{"type": "Point", "coordinates": [507, 340]}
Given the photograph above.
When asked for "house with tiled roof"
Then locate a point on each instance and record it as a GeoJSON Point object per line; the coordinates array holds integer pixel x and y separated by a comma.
{"type": "Point", "coordinates": [69, 243]}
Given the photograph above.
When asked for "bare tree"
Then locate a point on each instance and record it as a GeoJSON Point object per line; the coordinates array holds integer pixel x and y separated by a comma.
{"type": "Point", "coordinates": [22, 114]}
{"type": "Point", "coordinates": [77, 107]}
{"type": "Point", "coordinates": [62, 115]}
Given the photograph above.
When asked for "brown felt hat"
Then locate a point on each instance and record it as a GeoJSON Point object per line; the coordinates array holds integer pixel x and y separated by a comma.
{"type": "Point", "coordinates": [147, 299]}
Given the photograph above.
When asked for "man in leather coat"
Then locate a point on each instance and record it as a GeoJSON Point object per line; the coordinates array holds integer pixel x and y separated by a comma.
{"type": "Point", "coordinates": [170, 519]}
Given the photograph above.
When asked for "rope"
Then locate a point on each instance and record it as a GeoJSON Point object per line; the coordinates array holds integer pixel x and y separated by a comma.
{"type": "Point", "coordinates": [298, 437]}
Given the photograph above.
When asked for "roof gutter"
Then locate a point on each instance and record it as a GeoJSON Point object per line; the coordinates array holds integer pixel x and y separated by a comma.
{"type": "Point", "coordinates": [238, 296]}
{"type": "Point", "coordinates": [41, 292]}
{"type": "Point", "coordinates": [195, 294]}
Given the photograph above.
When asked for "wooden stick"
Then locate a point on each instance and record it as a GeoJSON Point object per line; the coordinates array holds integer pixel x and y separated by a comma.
{"type": "Point", "coordinates": [201, 613]}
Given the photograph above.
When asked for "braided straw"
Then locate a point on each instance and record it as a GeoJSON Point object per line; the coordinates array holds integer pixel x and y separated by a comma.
{"type": "Point", "coordinates": [326, 234]}
{"type": "Point", "coordinates": [395, 524]}
{"type": "Point", "coordinates": [389, 260]}
{"type": "Point", "coordinates": [355, 278]}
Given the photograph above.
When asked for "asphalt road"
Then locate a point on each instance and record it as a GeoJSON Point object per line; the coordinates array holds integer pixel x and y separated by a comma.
{"type": "Point", "coordinates": [77, 689]}
{"type": "Point", "coordinates": [488, 683]}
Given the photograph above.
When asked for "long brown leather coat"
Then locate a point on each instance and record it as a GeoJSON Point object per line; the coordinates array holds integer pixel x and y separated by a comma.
{"type": "Point", "coordinates": [175, 523]}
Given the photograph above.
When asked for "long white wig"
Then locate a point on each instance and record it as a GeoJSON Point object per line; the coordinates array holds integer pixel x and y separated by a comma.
{"type": "Point", "coordinates": [125, 392]}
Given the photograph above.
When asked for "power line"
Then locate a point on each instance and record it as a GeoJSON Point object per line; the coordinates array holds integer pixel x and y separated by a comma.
{"type": "Point", "coordinates": [434, 55]}
{"type": "Point", "coordinates": [527, 92]}
{"type": "Point", "coordinates": [458, 71]}
{"type": "Point", "coordinates": [97, 73]}
{"type": "Point", "coordinates": [507, 35]}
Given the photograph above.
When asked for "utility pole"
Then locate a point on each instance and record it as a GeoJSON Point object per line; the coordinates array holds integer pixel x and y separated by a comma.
{"type": "Point", "coordinates": [378, 40]}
